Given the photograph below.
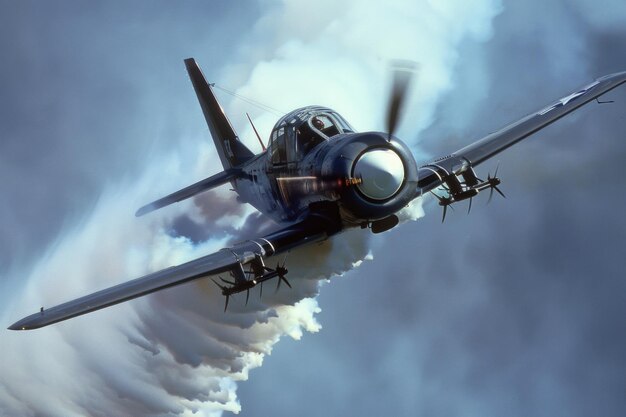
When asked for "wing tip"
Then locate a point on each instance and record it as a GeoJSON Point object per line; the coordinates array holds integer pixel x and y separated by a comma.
{"type": "Point", "coordinates": [22, 324]}
{"type": "Point", "coordinates": [191, 63]}
{"type": "Point", "coordinates": [145, 209]}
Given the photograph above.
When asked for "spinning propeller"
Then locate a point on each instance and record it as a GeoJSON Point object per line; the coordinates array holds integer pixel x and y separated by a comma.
{"type": "Point", "coordinates": [281, 271]}
{"type": "Point", "coordinates": [444, 202]}
{"type": "Point", "coordinates": [402, 72]}
{"type": "Point", "coordinates": [493, 184]}
{"type": "Point", "coordinates": [402, 75]}
{"type": "Point", "coordinates": [226, 291]}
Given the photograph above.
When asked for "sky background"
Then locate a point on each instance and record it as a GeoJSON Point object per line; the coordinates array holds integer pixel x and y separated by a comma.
{"type": "Point", "coordinates": [517, 309]}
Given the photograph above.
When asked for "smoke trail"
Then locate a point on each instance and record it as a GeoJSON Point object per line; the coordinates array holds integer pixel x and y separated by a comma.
{"type": "Point", "coordinates": [176, 352]}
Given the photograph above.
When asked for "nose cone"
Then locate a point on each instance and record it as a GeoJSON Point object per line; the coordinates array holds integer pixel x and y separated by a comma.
{"type": "Point", "coordinates": [382, 173]}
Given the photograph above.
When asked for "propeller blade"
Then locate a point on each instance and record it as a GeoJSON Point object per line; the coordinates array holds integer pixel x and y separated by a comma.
{"type": "Point", "coordinates": [402, 74]}
{"type": "Point", "coordinates": [221, 287]}
{"type": "Point", "coordinates": [226, 281]}
{"type": "Point", "coordinates": [470, 205]}
{"type": "Point", "coordinates": [286, 282]}
{"type": "Point", "coordinates": [438, 197]}
{"type": "Point", "coordinates": [226, 304]}
{"type": "Point", "coordinates": [261, 291]}
{"type": "Point", "coordinates": [495, 174]}
{"type": "Point", "coordinates": [247, 295]}
{"type": "Point", "coordinates": [445, 208]}
{"type": "Point", "coordinates": [498, 190]}
{"type": "Point", "coordinates": [281, 271]}
{"type": "Point", "coordinates": [490, 195]}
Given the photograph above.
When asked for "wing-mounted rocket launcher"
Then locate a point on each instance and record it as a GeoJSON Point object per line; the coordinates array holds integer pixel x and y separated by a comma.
{"type": "Point", "coordinates": [257, 274]}
{"type": "Point", "coordinates": [460, 183]}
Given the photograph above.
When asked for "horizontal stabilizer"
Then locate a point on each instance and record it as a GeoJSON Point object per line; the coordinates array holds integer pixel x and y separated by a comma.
{"type": "Point", "coordinates": [197, 188]}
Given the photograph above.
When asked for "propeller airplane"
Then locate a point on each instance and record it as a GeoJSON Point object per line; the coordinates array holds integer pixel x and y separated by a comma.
{"type": "Point", "coordinates": [317, 178]}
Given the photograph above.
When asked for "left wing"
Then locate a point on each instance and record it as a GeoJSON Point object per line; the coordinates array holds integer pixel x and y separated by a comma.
{"type": "Point", "coordinates": [249, 254]}
{"type": "Point", "coordinates": [444, 170]}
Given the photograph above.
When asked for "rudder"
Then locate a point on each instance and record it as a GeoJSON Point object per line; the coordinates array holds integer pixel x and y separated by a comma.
{"type": "Point", "coordinates": [231, 151]}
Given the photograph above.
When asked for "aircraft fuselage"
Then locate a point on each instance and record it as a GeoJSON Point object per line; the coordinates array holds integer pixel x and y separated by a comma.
{"type": "Point", "coordinates": [332, 173]}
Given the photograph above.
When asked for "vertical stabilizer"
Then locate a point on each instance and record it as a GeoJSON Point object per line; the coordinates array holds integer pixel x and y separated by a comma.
{"type": "Point", "coordinates": [231, 151]}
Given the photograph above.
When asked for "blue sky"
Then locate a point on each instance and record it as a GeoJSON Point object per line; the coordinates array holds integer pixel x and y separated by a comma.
{"type": "Point", "coordinates": [516, 309]}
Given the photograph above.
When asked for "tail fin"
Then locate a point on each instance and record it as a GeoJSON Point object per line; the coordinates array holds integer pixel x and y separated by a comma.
{"type": "Point", "coordinates": [231, 151]}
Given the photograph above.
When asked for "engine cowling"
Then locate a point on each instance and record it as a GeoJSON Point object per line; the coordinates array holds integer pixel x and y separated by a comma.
{"type": "Point", "coordinates": [381, 174]}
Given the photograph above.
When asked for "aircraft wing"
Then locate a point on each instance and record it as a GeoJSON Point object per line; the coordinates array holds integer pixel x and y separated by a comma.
{"type": "Point", "coordinates": [211, 264]}
{"type": "Point", "coordinates": [246, 254]}
{"type": "Point", "coordinates": [494, 143]}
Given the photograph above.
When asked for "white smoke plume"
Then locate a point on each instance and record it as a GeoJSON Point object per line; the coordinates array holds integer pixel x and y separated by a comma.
{"type": "Point", "coordinates": [176, 352]}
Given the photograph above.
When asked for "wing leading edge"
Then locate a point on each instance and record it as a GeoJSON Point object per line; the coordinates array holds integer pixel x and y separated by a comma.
{"type": "Point", "coordinates": [211, 264]}
{"type": "Point", "coordinates": [315, 228]}
{"type": "Point", "coordinates": [435, 173]}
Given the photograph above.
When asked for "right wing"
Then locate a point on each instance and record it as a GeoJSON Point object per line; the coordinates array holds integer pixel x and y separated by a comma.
{"type": "Point", "coordinates": [462, 161]}
{"type": "Point", "coordinates": [314, 228]}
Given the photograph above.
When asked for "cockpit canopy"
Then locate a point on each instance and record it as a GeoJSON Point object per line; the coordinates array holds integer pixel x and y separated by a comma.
{"type": "Point", "coordinates": [298, 132]}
